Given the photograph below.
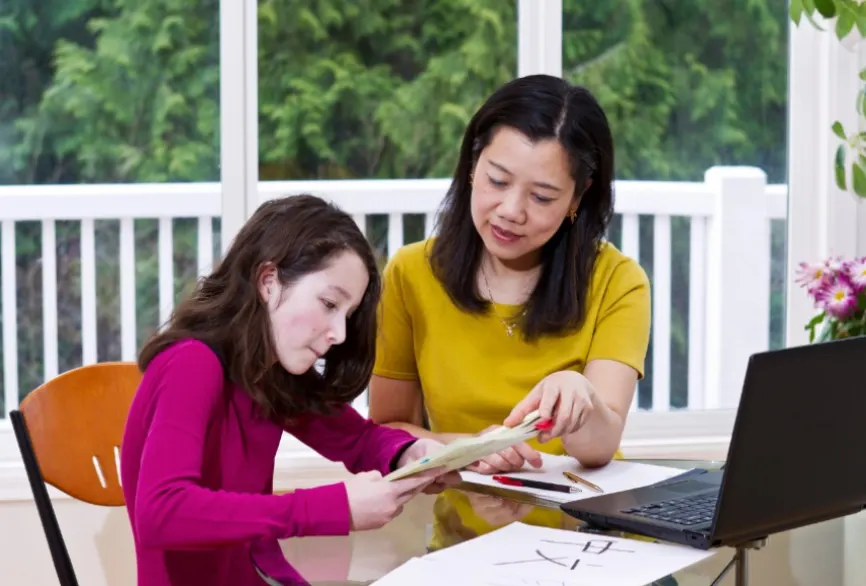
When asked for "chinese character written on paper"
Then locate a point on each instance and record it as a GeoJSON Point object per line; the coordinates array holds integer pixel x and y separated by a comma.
{"type": "Point", "coordinates": [593, 547]}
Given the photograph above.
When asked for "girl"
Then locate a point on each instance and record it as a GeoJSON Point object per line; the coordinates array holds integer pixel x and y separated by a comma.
{"type": "Point", "coordinates": [235, 368]}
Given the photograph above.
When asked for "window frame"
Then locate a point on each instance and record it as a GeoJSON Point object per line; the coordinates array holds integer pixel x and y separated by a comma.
{"type": "Point", "coordinates": [821, 220]}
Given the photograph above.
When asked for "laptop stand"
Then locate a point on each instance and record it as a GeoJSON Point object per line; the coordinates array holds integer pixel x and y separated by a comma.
{"type": "Point", "coordinates": [741, 560]}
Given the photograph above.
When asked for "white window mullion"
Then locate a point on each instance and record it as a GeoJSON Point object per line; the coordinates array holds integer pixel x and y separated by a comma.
{"type": "Point", "coordinates": [239, 130]}
{"type": "Point", "coordinates": [539, 37]}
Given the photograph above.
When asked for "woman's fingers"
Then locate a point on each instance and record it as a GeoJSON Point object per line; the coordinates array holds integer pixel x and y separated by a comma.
{"type": "Point", "coordinates": [507, 460]}
{"type": "Point", "coordinates": [529, 455]}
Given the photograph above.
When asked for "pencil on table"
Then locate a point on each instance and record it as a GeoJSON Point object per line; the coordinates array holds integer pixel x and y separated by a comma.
{"type": "Point", "coordinates": [579, 480]}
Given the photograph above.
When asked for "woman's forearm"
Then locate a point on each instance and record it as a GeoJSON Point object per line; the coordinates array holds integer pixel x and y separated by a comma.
{"type": "Point", "coordinates": [597, 441]}
{"type": "Point", "coordinates": [418, 431]}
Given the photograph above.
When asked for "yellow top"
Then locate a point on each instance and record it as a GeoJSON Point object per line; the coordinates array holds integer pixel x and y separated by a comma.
{"type": "Point", "coordinates": [472, 373]}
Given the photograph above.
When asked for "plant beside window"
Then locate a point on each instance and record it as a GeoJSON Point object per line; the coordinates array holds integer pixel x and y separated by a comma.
{"type": "Point", "coordinates": [838, 289]}
{"type": "Point", "coordinates": [837, 286]}
{"type": "Point", "coordinates": [848, 20]}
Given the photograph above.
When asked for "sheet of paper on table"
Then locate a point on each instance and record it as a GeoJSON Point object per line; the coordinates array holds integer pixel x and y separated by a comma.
{"type": "Point", "coordinates": [424, 572]}
{"type": "Point", "coordinates": [465, 451]}
{"type": "Point", "coordinates": [616, 476]}
{"type": "Point", "coordinates": [527, 555]}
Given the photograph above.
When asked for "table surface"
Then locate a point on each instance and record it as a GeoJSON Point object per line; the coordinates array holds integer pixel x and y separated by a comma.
{"type": "Point", "coordinates": [810, 555]}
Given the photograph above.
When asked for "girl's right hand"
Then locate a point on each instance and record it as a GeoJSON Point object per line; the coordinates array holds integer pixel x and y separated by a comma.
{"type": "Point", "coordinates": [374, 501]}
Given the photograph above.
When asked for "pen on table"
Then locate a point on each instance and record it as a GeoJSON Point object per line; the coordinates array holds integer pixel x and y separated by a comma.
{"type": "Point", "coordinates": [509, 481]}
{"type": "Point", "coordinates": [579, 480]}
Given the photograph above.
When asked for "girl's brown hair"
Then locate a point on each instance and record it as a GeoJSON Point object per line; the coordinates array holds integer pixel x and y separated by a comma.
{"type": "Point", "coordinates": [298, 235]}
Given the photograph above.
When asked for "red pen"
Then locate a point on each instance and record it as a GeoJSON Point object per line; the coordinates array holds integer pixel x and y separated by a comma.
{"type": "Point", "coordinates": [544, 424]}
{"type": "Point", "coordinates": [526, 483]}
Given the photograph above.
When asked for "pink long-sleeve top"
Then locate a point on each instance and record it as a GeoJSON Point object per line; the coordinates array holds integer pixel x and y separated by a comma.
{"type": "Point", "coordinates": [197, 466]}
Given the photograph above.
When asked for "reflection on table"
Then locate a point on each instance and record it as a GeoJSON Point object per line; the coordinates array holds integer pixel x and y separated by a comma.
{"type": "Point", "coordinates": [811, 555]}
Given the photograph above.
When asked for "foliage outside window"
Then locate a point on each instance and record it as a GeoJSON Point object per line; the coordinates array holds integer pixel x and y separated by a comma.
{"type": "Point", "coordinates": [117, 91]}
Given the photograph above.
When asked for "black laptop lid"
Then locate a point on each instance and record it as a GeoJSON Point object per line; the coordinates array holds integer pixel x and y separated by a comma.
{"type": "Point", "coordinates": [798, 449]}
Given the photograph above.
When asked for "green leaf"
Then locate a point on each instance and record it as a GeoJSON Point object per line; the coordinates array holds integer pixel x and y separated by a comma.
{"type": "Point", "coordinates": [863, 71]}
{"type": "Point", "coordinates": [814, 323]}
{"type": "Point", "coordinates": [827, 8]}
{"type": "Point", "coordinates": [809, 9]}
{"type": "Point", "coordinates": [861, 23]}
{"type": "Point", "coordinates": [838, 130]}
{"type": "Point", "coordinates": [796, 11]}
{"type": "Point", "coordinates": [859, 178]}
{"type": "Point", "coordinates": [816, 320]}
{"type": "Point", "coordinates": [844, 24]}
{"type": "Point", "coordinates": [839, 167]}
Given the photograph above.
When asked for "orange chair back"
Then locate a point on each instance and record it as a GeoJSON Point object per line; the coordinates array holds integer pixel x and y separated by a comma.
{"type": "Point", "coordinates": [76, 422]}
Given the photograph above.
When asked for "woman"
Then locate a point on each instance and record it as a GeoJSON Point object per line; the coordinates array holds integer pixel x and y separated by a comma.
{"type": "Point", "coordinates": [230, 373]}
{"type": "Point", "coordinates": [519, 303]}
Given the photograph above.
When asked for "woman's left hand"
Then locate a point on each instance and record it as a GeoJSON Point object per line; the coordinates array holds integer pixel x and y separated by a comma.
{"type": "Point", "coordinates": [566, 397]}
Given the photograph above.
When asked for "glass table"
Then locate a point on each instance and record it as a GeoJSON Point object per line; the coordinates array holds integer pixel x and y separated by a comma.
{"type": "Point", "coordinates": [810, 555]}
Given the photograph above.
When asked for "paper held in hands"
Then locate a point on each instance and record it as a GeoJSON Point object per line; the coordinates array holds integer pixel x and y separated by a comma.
{"type": "Point", "coordinates": [465, 451]}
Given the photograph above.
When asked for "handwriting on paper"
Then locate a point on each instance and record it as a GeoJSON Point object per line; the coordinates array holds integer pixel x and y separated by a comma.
{"type": "Point", "coordinates": [526, 555]}
{"type": "Point", "coordinates": [587, 548]}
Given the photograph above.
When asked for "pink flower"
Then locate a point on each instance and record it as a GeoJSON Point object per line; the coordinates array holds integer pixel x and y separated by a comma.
{"type": "Point", "coordinates": [856, 272]}
{"type": "Point", "coordinates": [837, 298]}
{"type": "Point", "coordinates": [813, 276]}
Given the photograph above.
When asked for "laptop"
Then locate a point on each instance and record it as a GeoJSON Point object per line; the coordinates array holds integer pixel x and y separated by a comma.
{"type": "Point", "coordinates": [796, 457]}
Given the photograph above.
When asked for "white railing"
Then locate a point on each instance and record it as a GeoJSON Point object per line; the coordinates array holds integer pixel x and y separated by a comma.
{"type": "Point", "coordinates": [728, 214]}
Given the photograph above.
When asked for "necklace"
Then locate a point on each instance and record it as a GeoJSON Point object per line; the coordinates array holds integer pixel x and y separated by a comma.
{"type": "Point", "coordinates": [509, 326]}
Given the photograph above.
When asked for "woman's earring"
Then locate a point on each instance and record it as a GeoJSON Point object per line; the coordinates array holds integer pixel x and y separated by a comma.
{"type": "Point", "coordinates": [572, 214]}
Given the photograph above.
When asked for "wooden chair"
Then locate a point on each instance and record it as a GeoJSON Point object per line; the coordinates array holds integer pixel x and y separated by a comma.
{"type": "Point", "coordinates": [69, 431]}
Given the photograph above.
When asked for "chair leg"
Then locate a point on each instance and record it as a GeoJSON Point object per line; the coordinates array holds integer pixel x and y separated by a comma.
{"type": "Point", "coordinates": [56, 545]}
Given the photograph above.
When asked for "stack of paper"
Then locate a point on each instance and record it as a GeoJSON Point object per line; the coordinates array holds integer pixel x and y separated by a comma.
{"type": "Point", "coordinates": [463, 452]}
{"type": "Point", "coordinates": [525, 555]}
{"type": "Point", "coordinates": [616, 476]}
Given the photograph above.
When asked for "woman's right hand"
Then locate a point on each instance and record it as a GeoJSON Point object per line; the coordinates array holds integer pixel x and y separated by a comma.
{"type": "Point", "coordinates": [497, 511]}
{"type": "Point", "coordinates": [374, 501]}
{"type": "Point", "coordinates": [507, 460]}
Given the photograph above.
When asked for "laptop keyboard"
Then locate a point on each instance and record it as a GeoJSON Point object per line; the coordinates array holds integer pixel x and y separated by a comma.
{"type": "Point", "coordinates": [688, 510]}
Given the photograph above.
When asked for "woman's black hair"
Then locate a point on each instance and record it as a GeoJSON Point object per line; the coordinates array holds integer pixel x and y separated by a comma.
{"type": "Point", "coordinates": [540, 107]}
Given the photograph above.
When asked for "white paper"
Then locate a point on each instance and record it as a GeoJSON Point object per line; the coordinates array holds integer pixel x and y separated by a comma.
{"type": "Point", "coordinates": [527, 555]}
{"type": "Point", "coordinates": [425, 572]}
{"type": "Point", "coordinates": [616, 476]}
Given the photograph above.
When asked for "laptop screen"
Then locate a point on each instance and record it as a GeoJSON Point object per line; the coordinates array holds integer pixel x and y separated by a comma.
{"type": "Point", "coordinates": [797, 450]}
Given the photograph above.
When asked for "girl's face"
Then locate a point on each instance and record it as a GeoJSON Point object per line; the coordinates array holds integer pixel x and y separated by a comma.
{"type": "Point", "coordinates": [309, 317]}
{"type": "Point", "coordinates": [522, 191]}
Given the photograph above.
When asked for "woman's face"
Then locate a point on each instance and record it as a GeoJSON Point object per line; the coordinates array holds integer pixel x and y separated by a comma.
{"type": "Point", "coordinates": [521, 193]}
{"type": "Point", "coordinates": [309, 317]}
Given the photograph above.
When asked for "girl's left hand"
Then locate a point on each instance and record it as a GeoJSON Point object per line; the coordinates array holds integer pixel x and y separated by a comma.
{"type": "Point", "coordinates": [425, 447]}
{"type": "Point", "coordinates": [565, 396]}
